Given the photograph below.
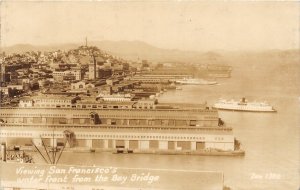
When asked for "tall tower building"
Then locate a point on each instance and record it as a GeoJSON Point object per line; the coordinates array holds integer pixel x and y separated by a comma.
{"type": "Point", "coordinates": [92, 68]}
{"type": "Point", "coordinates": [2, 73]}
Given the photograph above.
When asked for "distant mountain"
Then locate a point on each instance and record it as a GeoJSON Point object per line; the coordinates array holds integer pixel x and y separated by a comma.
{"type": "Point", "coordinates": [138, 50]}
{"type": "Point", "coordinates": [21, 48]}
{"type": "Point", "coordinates": [131, 50]}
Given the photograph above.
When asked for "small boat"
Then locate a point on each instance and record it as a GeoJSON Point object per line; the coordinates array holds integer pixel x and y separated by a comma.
{"type": "Point", "coordinates": [196, 81]}
{"type": "Point", "coordinates": [18, 156]}
{"type": "Point", "coordinates": [122, 150]}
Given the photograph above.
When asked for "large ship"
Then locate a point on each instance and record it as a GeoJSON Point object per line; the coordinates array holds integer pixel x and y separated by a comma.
{"type": "Point", "coordinates": [194, 81]}
{"type": "Point", "coordinates": [243, 105]}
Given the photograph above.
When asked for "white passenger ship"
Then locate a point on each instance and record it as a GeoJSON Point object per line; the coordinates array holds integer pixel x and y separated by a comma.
{"type": "Point", "coordinates": [194, 81]}
{"type": "Point", "coordinates": [243, 105]}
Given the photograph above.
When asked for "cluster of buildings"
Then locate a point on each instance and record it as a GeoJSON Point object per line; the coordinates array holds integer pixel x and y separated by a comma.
{"type": "Point", "coordinates": [85, 99]}
{"type": "Point", "coordinates": [81, 68]}
{"type": "Point", "coordinates": [89, 71]}
{"type": "Point", "coordinates": [85, 89]}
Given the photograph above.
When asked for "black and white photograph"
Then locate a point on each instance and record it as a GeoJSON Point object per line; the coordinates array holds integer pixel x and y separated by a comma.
{"type": "Point", "coordinates": [149, 95]}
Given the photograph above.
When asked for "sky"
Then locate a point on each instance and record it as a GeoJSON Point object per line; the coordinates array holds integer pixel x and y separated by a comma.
{"type": "Point", "coordinates": [185, 25]}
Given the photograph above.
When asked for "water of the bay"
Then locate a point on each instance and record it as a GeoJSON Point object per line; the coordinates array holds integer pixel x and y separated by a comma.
{"type": "Point", "coordinates": [271, 140]}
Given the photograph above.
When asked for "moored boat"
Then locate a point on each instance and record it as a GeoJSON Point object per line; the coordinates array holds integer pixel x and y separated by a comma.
{"type": "Point", "coordinates": [243, 105]}
{"type": "Point", "coordinates": [194, 81]}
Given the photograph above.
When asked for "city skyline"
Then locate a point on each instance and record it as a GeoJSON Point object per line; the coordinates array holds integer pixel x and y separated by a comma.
{"type": "Point", "coordinates": [160, 94]}
{"type": "Point", "coordinates": [169, 25]}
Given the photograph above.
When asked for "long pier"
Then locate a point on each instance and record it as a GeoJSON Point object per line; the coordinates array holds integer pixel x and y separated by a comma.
{"type": "Point", "coordinates": [140, 139]}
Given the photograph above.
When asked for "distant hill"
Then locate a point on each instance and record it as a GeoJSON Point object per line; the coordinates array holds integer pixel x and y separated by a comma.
{"type": "Point", "coordinates": [278, 68]}
{"type": "Point", "coordinates": [138, 50]}
{"type": "Point", "coordinates": [20, 48]}
{"type": "Point", "coordinates": [131, 50]}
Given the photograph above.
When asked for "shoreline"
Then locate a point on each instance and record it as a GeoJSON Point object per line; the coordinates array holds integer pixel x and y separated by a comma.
{"type": "Point", "coordinates": [207, 152]}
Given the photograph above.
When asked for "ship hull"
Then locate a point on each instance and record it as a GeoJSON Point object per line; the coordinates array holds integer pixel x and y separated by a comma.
{"type": "Point", "coordinates": [197, 83]}
{"type": "Point", "coordinates": [243, 110]}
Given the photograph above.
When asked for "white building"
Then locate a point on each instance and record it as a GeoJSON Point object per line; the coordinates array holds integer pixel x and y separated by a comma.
{"type": "Point", "coordinates": [81, 86]}
{"type": "Point", "coordinates": [49, 101]}
{"type": "Point", "coordinates": [59, 75]}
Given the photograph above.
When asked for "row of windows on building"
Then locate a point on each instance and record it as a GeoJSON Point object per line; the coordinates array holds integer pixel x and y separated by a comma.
{"type": "Point", "coordinates": [15, 134]}
{"type": "Point", "coordinates": [164, 128]}
{"type": "Point", "coordinates": [66, 73]}
{"type": "Point", "coordinates": [122, 115]}
{"type": "Point", "coordinates": [129, 107]}
{"type": "Point", "coordinates": [53, 105]}
{"type": "Point", "coordinates": [161, 137]}
{"type": "Point", "coordinates": [32, 115]}
{"type": "Point", "coordinates": [116, 118]}
{"type": "Point", "coordinates": [141, 137]}
{"type": "Point", "coordinates": [53, 100]}
{"type": "Point", "coordinates": [138, 112]}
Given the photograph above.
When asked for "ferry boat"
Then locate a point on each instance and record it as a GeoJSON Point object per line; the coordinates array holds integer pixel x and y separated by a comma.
{"type": "Point", "coordinates": [196, 82]}
{"type": "Point", "coordinates": [243, 105]}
